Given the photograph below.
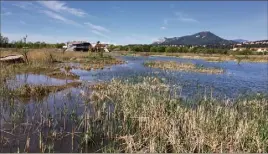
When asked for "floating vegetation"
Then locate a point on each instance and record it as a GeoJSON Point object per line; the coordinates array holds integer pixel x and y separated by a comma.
{"type": "Point", "coordinates": [63, 75]}
{"type": "Point", "coordinates": [99, 65]}
{"type": "Point", "coordinates": [40, 91]}
{"type": "Point", "coordinates": [172, 65]}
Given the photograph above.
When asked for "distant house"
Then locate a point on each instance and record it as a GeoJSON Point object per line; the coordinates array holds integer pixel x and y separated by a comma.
{"type": "Point", "coordinates": [238, 49]}
{"type": "Point", "coordinates": [78, 46]}
{"type": "Point", "coordinates": [262, 49]}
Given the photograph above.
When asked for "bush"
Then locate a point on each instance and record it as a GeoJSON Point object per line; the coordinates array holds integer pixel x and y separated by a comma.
{"type": "Point", "coordinates": [183, 49]}
{"type": "Point", "coordinates": [244, 52]}
{"type": "Point", "coordinates": [123, 48]}
{"type": "Point", "coordinates": [136, 48]}
{"type": "Point", "coordinates": [161, 49]}
{"type": "Point", "coordinates": [171, 49]}
{"type": "Point", "coordinates": [153, 49]}
{"type": "Point", "coordinates": [146, 48]}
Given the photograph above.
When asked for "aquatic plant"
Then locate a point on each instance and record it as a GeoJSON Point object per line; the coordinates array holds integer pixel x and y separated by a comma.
{"type": "Point", "coordinates": [141, 115]}
{"type": "Point", "coordinates": [172, 65]}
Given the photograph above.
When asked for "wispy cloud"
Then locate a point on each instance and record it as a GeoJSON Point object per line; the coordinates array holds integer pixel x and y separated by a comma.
{"type": "Point", "coordinates": [118, 9]}
{"type": "Point", "coordinates": [58, 6]}
{"type": "Point", "coordinates": [163, 28]}
{"type": "Point", "coordinates": [184, 17]}
{"type": "Point", "coordinates": [135, 39]}
{"type": "Point", "coordinates": [5, 13]}
{"type": "Point", "coordinates": [24, 5]}
{"type": "Point", "coordinates": [97, 27]}
{"type": "Point", "coordinates": [59, 18]}
{"type": "Point", "coordinates": [99, 33]}
{"type": "Point", "coordinates": [115, 7]}
{"type": "Point", "coordinates": [172, 6]}
{"type": "Point", "coordinates": [22, 22]}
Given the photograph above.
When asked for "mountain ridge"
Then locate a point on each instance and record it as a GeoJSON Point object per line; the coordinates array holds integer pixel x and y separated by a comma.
{"type": "Point", "coordinates": [200, 38]}
{"type": "Point", "coordinates": [240, 40]}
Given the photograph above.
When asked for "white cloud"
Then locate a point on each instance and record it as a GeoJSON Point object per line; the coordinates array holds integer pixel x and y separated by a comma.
{"type": "Point", "coordinates": [99, 33]}
{"type": "Point", "coordinates": [180, 17]}
{"type": "Point", "coordinates": [59, 17]}
{"type": "Point", "coordinates": [185, 18]}
{"type": "Point", "coordinates": [135, 39]}
{"type": "Point", "coordinates": [5, 13]}
{"type": "Point", "coordinates": [172, 6]}
{"type": "Point", "coordinates": [163, 28]}
{"type": "Point", "coordinates": [96, 27]}
{"type": "Point", "coordinates": [58, 6]}
{"type": "Point", "coordinates": [24, 5]}
{"type": "Point", "coordinates": [118, 9]}
{"type": "Point", "coordinates": [22, 22]}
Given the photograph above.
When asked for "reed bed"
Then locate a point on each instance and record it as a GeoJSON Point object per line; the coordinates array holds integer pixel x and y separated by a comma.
{"type": "Point", "coordinates": [53, 63]}
{"type": "Point", "coordinates": [144, 116]}
{"type": "Point", "coordinates": [172, 65]}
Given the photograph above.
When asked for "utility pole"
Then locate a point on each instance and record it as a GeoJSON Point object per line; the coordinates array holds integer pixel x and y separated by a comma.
{"type": "Point", "coordinates": [24, 38]}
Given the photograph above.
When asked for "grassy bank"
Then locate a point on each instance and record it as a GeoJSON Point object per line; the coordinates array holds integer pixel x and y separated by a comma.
{"type": "Point", "coordinates": [145, 116]}
{"type": "Point", "coordinates": [53, 63]}
{"type": "Point", "coordinates": [172, 65]}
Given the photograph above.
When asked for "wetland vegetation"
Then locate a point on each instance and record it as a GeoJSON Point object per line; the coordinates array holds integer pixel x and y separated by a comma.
{"type": "Point", "coordinates": [121, 115]}
{"type": "Point", "coordinates": [171, 65]}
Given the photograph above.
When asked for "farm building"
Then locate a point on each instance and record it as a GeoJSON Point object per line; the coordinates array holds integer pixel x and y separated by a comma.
{"type": "Point", "coordinates": [85, 46]}
{"type": "Point", "coordinates": [77, 46]}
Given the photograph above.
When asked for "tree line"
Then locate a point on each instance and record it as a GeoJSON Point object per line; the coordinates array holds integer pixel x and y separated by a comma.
{"type": "Point", "coordinates": [209, 49]}
{"type": "Point", "coordinates": [183, 49]}
{"type": "Point", "coordinates": [4, 42]}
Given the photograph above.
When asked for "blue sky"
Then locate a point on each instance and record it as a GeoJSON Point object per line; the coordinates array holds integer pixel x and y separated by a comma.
{"type": "Point", "coordinates": [128, 22]}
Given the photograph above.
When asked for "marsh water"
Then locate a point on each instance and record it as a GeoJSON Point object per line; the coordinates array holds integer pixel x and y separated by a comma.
{"type": "Point", "coordinates": [238, 79]}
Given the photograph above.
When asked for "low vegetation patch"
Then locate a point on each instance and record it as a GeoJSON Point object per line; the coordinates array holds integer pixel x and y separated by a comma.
{"type": "Point", "coordinates": [171, 65]}
{"type": "Point", "coordinates": [40, 91]}
{"type": "Point", "coordinates": [148, 118]}
{"type": "Point", "coordinates": [93, 61]}
{"type": "Point", "coordinates": [63, 75]}
{"type": "Point", "coordinates": [143, 116]}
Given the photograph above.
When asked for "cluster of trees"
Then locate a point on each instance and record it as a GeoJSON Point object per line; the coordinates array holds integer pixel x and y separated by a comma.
{"type": "Point", "coordinates": [4, 42]}
{"type": "Point", "coordinates": [171, 49]}
{"type": "Point", "coordinates": [253, 46]}
{"type": "Point", "coordinates": [20, 44]}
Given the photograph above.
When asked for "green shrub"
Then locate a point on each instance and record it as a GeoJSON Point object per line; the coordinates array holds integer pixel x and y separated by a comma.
{"type": "Point", "coordinates": [161, 49]}
{"type": "Point", "coordinates": [171, 49]}
{"type": "Point", "coordinates": [153, 49]}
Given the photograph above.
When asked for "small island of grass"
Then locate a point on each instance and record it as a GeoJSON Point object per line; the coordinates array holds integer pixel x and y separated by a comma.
{"type": "Point", "coordinates": [172, 65]}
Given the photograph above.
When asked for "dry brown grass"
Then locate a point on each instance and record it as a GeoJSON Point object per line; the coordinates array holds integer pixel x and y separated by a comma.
{"type": "Point", "coordinates": [150, 119]}
{"type": "Point", "coordinates": [44, 55]}
{"type": "Point", "coordinates": [172, 65]}
{"type": "Point", "coordinates": [26, 91]}
{"type": "Point", "coordinates": [47, 62]}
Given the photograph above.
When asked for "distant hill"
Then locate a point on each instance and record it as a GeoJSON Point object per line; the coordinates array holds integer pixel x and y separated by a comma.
{"type": "Point", "coordinates": [201, 38]}
{"type": "Point", "coordinates": [240, 40]}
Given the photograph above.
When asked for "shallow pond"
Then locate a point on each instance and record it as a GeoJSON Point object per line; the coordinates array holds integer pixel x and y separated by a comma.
{"type": "Point", "coordinates": [238, 79]}
{"type": "Point", "coordinates": [34, 79]}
